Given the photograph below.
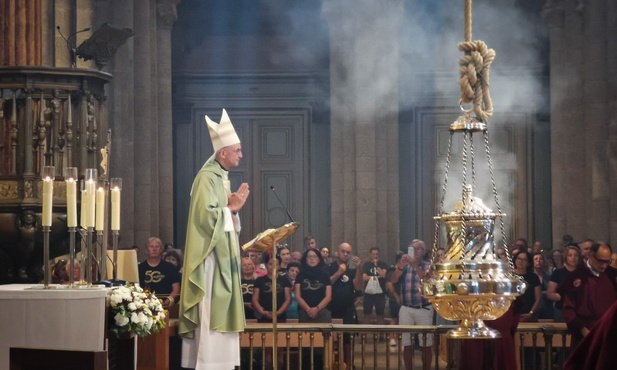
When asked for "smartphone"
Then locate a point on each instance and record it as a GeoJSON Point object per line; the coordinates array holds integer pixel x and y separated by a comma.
{"type": "Point", "coordinates": [410, 252]}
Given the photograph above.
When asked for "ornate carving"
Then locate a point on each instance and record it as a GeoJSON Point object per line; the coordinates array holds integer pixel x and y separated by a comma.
{"type": "Point", "coordinates": [28, 189]}
{"type": "Point", "coordinates": [9, 190]}
{"type": "Point", "coordinates": [167, 13]}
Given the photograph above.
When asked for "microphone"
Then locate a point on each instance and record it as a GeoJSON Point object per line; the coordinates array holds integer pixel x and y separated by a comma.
{"type": "Point", "coordinates": [68, 40]}
{"type": "Point", "coordinates": [279, 199]}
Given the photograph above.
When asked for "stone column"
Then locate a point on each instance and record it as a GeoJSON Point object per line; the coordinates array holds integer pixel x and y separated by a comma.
{"type": "Point", "coordinates": [364, 63]}
{"type": "Point", "coordinates": [122, 115]}
{"type": "Point", "coordinates": [145, 124]}
{"type": "Point", "coordinates": [63, 19]}
{"type": "Point", "coordinates": [611, 77]}
{"type": "Point", "coordinates": [595, 100]}
{"type": "Point", "coordinates": [569, 196]}
{"type": "Point", "coordinates": [582, 118]}
{"type": "Point", "coordinates": [166, 17]}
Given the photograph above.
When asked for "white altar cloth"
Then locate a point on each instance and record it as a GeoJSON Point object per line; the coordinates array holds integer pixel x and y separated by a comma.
{"type": "Point", "coordinates": [71, 319]}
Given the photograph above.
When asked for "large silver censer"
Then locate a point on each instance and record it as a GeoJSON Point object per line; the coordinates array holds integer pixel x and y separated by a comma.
{"type": "Point", "coordinates": [471, 284]}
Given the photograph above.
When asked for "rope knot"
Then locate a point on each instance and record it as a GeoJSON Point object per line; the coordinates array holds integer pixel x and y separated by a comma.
{"type": "Point", "coordinates": [474, 68]}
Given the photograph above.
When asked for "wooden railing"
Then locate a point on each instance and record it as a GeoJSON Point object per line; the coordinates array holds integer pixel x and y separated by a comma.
{"type": "Point", "coordinates": [371, 351]}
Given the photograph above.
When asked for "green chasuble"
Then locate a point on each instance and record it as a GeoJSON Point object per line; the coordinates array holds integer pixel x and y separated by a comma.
{"type": "Point", "coordinates": [205, 233]}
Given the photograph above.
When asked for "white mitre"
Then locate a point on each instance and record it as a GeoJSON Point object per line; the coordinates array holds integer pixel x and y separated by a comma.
{"type": "Point", "coordinates": [222, 134]}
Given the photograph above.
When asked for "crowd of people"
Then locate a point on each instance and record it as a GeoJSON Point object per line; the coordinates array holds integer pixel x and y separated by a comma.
{"type": "Point", "coordinates": [316, 286]}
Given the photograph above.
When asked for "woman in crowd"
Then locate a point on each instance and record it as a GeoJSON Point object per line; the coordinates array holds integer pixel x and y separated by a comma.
{"type": "Point", "coordinates": [174, 256]}
{"type": "Point", "coordinates": [325, 253]}
{"type": "Point", "coordinates": [539, 268]}
{"type": "Point", "coordinates": [313, 289]}
{"type": "Point", "coordinates": [293, 269]}
{"type": "Point", "coordinates": [262, 299]}
{"type": "Point", "coordinates": [533, 293]}
{"type": "Point", "coordinates": [248, 283]}
{"type": "Point", "coordinates": [60, 272]}
{"type": "Point", "coordinates": [285, 253]}
{"type": "Point", "coordinates": [557, 256]}
{"type": "Point", "coordinates": [262, 293]}
{"type": "Point", "coordinates": [572, 254]}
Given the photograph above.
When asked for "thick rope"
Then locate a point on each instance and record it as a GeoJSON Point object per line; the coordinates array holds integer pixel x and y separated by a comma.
{"type": "Point", "coordinates": [474, 69]}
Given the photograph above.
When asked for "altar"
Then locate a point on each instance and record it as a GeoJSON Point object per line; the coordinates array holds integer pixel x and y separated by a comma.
{"type": "Point", "coordinates": [69, 319]}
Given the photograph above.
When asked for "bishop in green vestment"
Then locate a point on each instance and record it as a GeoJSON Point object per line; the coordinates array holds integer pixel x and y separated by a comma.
{"type": "Point", "coordinates": [211, 306]}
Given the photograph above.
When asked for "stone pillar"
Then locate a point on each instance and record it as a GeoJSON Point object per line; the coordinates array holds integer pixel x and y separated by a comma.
{"type": "Point", "coordinates": [140, 114]}
{"type": "Point", "coordinates": [364, 73]}
{"type": "Point", "coordinates": [20, 36]}
{"type": "Point", "coordinates": [84, 18]}
{"type": "Point", "coordinates": [63, 19]}
{"type": "Point", "coordinates": [611, 77]}
{"type": "Point", "coordinates": [122, 115]}
{"type": "Point", "coordinates": [145, 125]}
{"type": "Point", "coordinates": [583, 115]}
{"type": "Point", "coordinates": [166, 17]}
{"type": "Point", "coordinates": [567, 154]}
{"type": "Point", "coordinates": [595, 100]}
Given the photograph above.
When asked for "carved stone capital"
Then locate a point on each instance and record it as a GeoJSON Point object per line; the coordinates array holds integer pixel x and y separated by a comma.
{"type": "Point", "coordinates": [166, 13]}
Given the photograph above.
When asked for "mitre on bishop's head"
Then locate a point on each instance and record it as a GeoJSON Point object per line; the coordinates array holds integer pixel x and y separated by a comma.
{"type": "Point", "coordinates": [222, 134]}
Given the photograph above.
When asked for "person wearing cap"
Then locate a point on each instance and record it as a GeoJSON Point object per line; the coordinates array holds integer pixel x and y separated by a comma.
{"type": "Point", "coordinates": [211, 305]}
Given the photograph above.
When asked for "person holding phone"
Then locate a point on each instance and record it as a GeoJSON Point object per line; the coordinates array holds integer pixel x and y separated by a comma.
{"type": "Point", "coordinates": [415, 308]}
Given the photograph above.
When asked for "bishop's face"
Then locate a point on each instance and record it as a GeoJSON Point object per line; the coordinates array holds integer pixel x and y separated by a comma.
{"type": "Point", "coordinates": [230, 156]}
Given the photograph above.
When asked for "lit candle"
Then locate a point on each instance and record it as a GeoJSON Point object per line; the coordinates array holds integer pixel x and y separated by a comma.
{"type": "Point", "coordinates": [91, 175]}
{"type": "Point", "coordinates": [70, 177]}
{"type": "Point", "coordinates": [84, 205]}
{"type": "Point", "coordinates": [116, 187]}
{"type": "Point", "coordinates": [48, 194]}
{"type": "Point", "coordinates": [100, 208]}
{"type": "Point", "coordinates": [90, 196]}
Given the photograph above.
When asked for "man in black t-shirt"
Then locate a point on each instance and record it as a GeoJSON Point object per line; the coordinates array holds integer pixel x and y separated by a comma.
{"type": "Point", "coordinates": [346, 280]}
{"type": "Point", "coordinates": [370, 270]}
{"type": "Point", "coordinates": [159, 276]}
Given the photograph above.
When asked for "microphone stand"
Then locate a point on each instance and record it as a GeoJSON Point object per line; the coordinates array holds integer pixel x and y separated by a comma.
{"type": "Point", "coordinates": [281, 202]}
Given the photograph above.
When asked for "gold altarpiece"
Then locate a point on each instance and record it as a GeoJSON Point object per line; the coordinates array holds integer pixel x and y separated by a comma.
{"type": "Point", "coordinates": [48, 117]}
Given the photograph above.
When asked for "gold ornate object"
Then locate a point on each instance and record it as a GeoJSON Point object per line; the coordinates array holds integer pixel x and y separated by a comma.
{"type": "Point", "coordinates": [266, 240]}
{"type": "Point", "coordinates": [468, 123]}
{"type": "Point", "coordinates": [471, 284]}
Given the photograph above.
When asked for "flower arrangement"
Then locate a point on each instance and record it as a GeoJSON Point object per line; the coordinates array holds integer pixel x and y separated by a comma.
{"type": "Point", "coordinates": [135, 311]}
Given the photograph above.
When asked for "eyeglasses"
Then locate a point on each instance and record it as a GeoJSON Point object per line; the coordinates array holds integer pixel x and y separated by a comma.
{"type": "Point", "coordinates": [345, 252]}
{"type": "Point", "coordinates": [604, 262]}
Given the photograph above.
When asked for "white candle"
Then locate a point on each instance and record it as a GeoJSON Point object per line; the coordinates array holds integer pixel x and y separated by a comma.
{"type": "Point", "coordinates": [100, 209]}
{"type": "Point", "coordinates": [48, 195]}
{"type": "Point", "coordinates": [115, 209]}
{"type": "Point", "coordinates": [71, 203]}
{"type": "Point", "coordinates": [42, 108]}
{"type": "Point", "coordinates": [84, 208]}
{"type": "Point", "coordinates": [69, 118]}
{"type": "Point", "coordinates": [90, 204]}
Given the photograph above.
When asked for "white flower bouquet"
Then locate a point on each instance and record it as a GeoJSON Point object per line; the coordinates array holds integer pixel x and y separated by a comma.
{"type": "Point", "coordinates": [135, 311]}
